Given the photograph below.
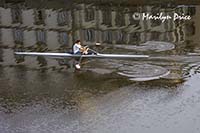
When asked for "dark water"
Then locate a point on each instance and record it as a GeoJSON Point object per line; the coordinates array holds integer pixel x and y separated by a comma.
{"type": "Point", "coordinates": [158, 94]}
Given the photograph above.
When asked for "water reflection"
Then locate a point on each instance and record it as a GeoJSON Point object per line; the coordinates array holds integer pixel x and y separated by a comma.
{"type": "Point", "coordinates": [92, 23]}
{"type": "Point", "coordinates": [26, 28]}
{"type": "Point", "coordinates": [39, 95]}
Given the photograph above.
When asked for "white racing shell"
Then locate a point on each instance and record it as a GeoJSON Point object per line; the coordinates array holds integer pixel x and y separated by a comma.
{"type": "Point", "coordinates": [69, 55]}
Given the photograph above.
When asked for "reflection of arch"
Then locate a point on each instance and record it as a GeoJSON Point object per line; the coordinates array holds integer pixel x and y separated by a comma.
{"type": "Point", "coordinates": [120, 19]}
{"type": "Point", "coordinates": [120, 37]}
{"type": "Point", "coordinates": [63, 18]}
{"type": "Point", "coordinates": [107, 16]}
{"type": "Point", "coordinates": [89, 14]}
{"type": "Point", "coordinates": [134, 37]}
{"type": "Point", "coordinates": [89, 35]}
{"type": "Point", "coordinates": [18, 35]}
{"type": "Point", "coordinates": [63, 38]}
{"type": "Point", "coordinates": [16, 15]}
{"type": "Point", "coordinates": [155, 35]}
{"type": "Point", "coordinates": [190, 29]}
{"type": "Point", "coordinates": [41, 36]}
{"type": "Point", "coordinates": [39, 17]}
{"type": "Point", "coordinates": [107, 36]}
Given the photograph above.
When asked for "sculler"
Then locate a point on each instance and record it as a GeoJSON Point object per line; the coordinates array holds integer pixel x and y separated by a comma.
{"type": "Point", "coordinates": [80, 50]}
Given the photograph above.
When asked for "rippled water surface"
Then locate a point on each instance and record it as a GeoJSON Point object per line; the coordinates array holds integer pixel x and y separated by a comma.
{"type": "Point", "coordinates": [156, 94]}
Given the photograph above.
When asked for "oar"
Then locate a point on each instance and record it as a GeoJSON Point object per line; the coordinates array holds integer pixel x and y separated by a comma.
{"type": "Point", "coordinates": [80, 59]}
{"type": "Point", "coordinates": [93, 51]}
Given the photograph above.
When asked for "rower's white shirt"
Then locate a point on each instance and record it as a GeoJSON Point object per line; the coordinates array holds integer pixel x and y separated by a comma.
{"type": "Point", "coordinates": [76, 48]}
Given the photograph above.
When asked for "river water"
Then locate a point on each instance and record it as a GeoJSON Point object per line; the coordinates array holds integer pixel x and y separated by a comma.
{"type": "Point", "coordinates": [156, 94]}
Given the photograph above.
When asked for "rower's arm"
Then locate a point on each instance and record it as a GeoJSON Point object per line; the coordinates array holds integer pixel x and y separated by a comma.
{"type": "Point", "coordinates": [84, 48]}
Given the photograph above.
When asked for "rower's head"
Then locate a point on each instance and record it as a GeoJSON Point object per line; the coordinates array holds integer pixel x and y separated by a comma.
{"type": "Point", "coordinates": [78, 42]}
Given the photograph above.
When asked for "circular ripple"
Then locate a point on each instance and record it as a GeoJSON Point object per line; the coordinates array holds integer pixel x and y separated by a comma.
{"type": "Point", "coordinates": [157, 46]}
{"type": "Point", "coordinates": [143, 72]}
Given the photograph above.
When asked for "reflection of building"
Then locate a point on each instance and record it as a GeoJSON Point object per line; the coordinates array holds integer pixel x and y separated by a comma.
{"type": "Point", "coordinates": [193, 28]}
{"type": "Point", "coordinates": [57, 27]}
{"type": "Point", "coordinates": [60, 27]}
{"type": "Point", "coordinates": [29, 27]}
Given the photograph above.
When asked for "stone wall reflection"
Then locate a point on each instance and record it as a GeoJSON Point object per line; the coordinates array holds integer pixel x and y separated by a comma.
{"type": "Point", "coordinates": [57, 28]}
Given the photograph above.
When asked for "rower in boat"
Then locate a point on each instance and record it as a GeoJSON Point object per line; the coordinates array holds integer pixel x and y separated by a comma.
{"type": "Point", "coordinates": [80, 50]}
